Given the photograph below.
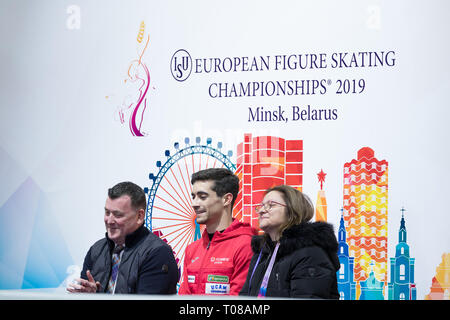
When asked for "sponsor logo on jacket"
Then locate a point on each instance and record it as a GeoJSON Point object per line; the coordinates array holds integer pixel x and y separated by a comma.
{"type": "Point", "coordinates": [216, 260]}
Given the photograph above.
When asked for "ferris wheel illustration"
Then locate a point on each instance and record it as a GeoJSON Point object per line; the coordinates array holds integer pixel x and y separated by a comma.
{"type": "Point", "coordinates": [169, 212]}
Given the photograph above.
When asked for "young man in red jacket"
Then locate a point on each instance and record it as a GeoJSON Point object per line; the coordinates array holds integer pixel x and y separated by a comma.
{"type": "Point", "coordinates": [218, 262]}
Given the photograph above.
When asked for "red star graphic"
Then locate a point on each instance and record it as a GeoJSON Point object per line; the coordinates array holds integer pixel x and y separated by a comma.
{"type": "Point", "coordinates": [321, 175]}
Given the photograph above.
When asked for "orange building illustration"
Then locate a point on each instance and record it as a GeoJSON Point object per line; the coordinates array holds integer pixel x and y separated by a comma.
{"type": "Point", "coordinates": [440, 284]}
{"type": "Point", "coordinates": [321, 203]}
{"type": "Point", "coordinates": [365, 214]}
{"type": "Point", "coordinates": [264, 162]}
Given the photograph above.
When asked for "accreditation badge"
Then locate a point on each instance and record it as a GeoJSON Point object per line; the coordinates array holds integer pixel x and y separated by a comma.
{"type": "Point", "coordinates": [217, 284]}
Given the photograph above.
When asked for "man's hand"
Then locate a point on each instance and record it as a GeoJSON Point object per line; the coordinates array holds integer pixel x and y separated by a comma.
{"type": "Point", "coordinates": [89, 286]}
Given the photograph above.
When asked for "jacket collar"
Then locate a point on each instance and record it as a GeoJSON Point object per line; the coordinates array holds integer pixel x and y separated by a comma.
{"type": "Point", "coordinates": [235, 229]}
{"type": "Point", "coordinates": [306, 234]}
{"type": "Point", "coordinates": [131, 239]}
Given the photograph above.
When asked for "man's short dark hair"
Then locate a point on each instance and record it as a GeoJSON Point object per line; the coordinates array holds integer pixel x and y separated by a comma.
{"type": "Point", "coordinates": [225, 181]}
{"type": "Point", "coordinates": [130, 189]}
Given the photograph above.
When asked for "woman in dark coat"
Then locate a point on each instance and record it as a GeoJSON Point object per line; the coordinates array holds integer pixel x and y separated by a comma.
{"type": "Point", "coordinates": [295, 257]}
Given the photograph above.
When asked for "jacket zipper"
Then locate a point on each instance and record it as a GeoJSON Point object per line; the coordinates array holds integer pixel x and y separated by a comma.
{"type": "Point", "coordinates": [278, 280]}
{"type": "Point", "coordinates": [200, 274]}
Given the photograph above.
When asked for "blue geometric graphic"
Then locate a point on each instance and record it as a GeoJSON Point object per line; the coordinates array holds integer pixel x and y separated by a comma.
{"type": "Point", "coordinates": [33, 250]}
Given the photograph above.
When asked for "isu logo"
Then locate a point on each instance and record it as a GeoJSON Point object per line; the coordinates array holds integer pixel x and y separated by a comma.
{"type": "Point", "coordinates": [181, 65]}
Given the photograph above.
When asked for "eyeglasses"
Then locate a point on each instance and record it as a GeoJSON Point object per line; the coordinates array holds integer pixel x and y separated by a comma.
{"type": "Point", "coordinates": [267, 206]}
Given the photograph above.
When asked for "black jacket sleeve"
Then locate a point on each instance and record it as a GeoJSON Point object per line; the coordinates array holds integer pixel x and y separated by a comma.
{"type": "Point", "coordinates": [158, 273]}
{"type": "Point", "coordinates": [87, 265]}
{"type": "Point", "coordinates": [245, 289]}
{"type": "Point", "coordinates": [312, 275]}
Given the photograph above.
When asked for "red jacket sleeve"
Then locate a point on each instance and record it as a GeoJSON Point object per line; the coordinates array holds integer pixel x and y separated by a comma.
{"type": "Point", "coordinates": [241, 264]}
{"type": "Point", "coordinates": [184, 287]}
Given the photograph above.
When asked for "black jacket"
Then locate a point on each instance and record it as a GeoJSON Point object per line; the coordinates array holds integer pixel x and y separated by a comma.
{"type": "Point", "coordinates": [305, 265]}
{"type": "Point", "coordinates": [147, 265]}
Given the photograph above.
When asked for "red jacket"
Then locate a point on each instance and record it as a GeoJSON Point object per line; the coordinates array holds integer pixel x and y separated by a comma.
{"type": "Point", "coordinates": [218, 266]}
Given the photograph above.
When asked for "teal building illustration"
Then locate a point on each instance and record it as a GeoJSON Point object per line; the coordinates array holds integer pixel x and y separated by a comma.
{"type": "Point", "coordinates": [402, 286]}
{"type": "Point", "coordinates": [372, 288]}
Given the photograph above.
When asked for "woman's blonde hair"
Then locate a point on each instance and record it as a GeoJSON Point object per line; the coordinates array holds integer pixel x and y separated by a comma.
{"type": "Point", "coordinates": [299, 207]}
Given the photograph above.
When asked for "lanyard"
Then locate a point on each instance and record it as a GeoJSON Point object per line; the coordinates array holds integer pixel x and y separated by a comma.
{"type": "Point", "coordinates": [263, 289]}
{"type": "Point", "coordinates": [265, 281]}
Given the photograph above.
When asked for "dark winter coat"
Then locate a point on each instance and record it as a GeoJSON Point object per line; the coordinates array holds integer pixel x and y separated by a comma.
{"type": "Point", "coordinates": [305, 265]}
{"type": "Point", "coordinates": [147, 265]}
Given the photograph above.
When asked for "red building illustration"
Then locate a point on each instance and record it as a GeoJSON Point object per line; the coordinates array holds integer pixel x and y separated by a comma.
{"type": "Point", "coordinates": [264, 162]}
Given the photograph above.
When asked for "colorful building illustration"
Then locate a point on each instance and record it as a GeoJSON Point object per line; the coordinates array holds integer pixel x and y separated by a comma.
{"type": "Point", "coordinates": [402, 286]}
{"type": "Point", "coordinates": [440, 284]}
{"type": "Point", "coordinates": [346, 283]}
{"type": "Point", "coordinates": [365, 212]}
{"type": "Point", "coordinates": [264, 162]}
{"type": "Point", "coordinates": [371, 288]}
{"type": "Point", "coordinates": [321, 203]}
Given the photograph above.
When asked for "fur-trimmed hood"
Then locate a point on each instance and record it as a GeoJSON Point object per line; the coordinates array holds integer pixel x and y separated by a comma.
{"type": "Point", "coordinates": [306, 234]}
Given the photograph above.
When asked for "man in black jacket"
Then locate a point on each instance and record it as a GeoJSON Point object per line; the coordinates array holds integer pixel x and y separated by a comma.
{"type": "Point", "coordinates": [130, 259]}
